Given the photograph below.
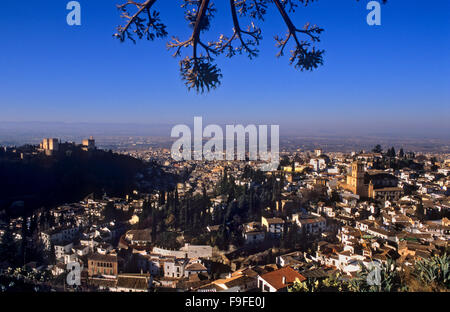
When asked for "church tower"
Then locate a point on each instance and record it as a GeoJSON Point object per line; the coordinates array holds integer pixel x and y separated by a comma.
{"type": "Point", "coordinates": [356, 179]}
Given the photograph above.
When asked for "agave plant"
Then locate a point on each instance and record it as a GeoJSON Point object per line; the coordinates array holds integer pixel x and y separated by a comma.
{"type": "Point", "coordinates": [434, 270]}
{"type": "Point", "coordinates": [305, 286]}
{"type": "Point", "coordinates": [384, 277]}
{"type": "Point", "coordinates": [332, 283]}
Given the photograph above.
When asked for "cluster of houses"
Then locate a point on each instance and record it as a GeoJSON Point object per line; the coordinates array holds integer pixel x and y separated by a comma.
{"type": "Point", "coordinates": [366, 218]}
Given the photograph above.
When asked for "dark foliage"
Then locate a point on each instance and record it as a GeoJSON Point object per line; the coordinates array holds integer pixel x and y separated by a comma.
{"type": "Point", "coordinates": [48, 181]}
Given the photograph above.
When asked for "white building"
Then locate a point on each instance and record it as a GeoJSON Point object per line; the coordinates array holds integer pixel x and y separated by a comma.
{"type": "Point", "coordinates": [63, 249]}
{"type": "Point", "coordinates": [310, 224]}
{"type": "Point", "coordinates": [58, 235]}
{"type": "Point", "coordinates": [252, 233]}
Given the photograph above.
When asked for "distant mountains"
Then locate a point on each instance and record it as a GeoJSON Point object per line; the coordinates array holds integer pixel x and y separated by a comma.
{"type": "Point", "coordinates": [331, 137]}
{"type": "Point", "coordinates": [18, 133]}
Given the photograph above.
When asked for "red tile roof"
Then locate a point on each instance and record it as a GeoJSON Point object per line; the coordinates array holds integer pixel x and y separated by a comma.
{"type": "Point", "coordinates": [275, 278]}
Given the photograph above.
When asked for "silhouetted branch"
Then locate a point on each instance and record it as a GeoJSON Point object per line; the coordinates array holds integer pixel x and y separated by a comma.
{"type": "Point", "coordinates": [142, 25]}
{"type": "Point", "coordinates": [301, 57]}
{"type": "Point", "coordinates": [226, 43]}
{"type": "Point", "coordinates": [197, 70]}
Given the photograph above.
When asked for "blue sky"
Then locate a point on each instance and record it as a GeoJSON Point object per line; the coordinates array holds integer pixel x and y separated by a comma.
{"type": "Point", "coordinates": [394, 77]}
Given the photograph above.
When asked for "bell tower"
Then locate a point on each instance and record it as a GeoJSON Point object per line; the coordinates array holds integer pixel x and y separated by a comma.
{"type": "Point", "coordinates": [357, 170]}
{"type": "Point", "coordinates": [357, 179]}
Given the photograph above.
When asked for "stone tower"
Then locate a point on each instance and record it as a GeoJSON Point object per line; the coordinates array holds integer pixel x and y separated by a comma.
{"type": "Point", "coordinates": [356, 180]}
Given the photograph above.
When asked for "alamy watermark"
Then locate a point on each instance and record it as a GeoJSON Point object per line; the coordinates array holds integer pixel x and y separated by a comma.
{"type": "Point", "coordinates": [74, 16]}
{"type": "Point", "coordinates": [213, 149]}
{"type": "Point", "coordinates": [374, 276]}
{"type": "Point", "coordinates": [374, 16]}
{"type": "Point", "coordinates": [74, 274]}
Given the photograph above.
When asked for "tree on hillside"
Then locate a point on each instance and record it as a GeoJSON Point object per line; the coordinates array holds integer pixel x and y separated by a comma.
{"type": "Point", "coordinates": [391, 152]}
{"type": "Point", "coordinates": [377, 149]}
{"type": "Point", "coordinates": [197, 67]}
{"type": "Point", "coordinates": [9, 248]}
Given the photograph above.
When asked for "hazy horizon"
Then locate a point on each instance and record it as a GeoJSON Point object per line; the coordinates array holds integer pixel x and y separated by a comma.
{"type": "Point", "coordinates": [115, 135]}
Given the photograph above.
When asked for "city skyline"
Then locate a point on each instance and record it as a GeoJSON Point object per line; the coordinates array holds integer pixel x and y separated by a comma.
{"type": "Point", "coordinates": [205, 171]}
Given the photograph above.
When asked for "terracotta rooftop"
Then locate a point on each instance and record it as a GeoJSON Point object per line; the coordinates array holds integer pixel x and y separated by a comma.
{"type": "Point", "coordinates": [106, 258]}
{"type": "Point", "coordinates": [195, 267]}
{"type": "Point", "coordinates": [133, 281]}
{"type": "Point", "coordinates": [275, 278]}
{"type": "Point", "coordinates": [274, 220]}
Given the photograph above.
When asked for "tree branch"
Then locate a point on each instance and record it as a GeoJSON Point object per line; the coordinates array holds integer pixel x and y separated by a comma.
{"type": "Point", "coordinates": [142, 6]}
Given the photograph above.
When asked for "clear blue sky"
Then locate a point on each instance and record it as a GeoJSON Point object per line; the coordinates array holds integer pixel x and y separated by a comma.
{"type": "Point", "coordinates": [395, 76]}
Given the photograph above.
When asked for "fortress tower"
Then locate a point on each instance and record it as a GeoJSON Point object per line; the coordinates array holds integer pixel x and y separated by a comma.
{"type": "Point", "coordinates": [89, 144]}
